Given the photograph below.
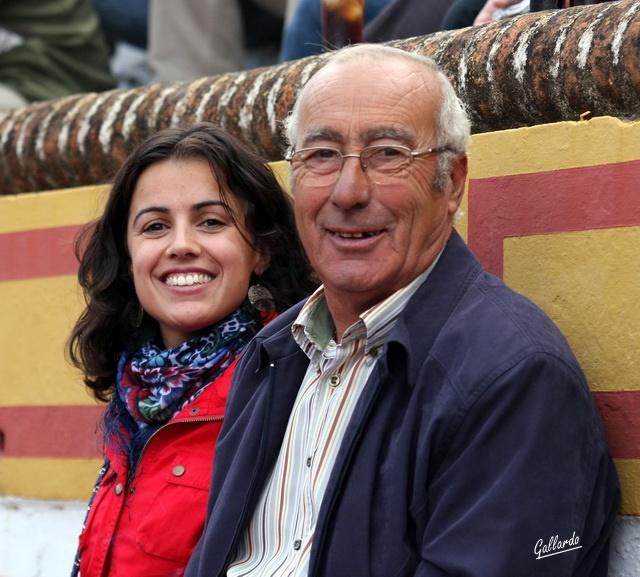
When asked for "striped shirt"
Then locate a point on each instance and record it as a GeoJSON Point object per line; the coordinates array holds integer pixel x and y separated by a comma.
{"type": "Point", "coordinates": [277, 542]}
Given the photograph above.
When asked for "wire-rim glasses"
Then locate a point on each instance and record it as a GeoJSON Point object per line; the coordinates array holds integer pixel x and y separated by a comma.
{"type": "Point", "coordinates": [322, 165]}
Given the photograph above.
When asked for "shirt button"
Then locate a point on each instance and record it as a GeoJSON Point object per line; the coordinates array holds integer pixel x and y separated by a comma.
{"type": "Point", "coordinates": [334, 381]}
{"type": "Point", "coordinates": [194, 411]}
{"type": "Point", "coordinates": [119, 488]}
{"type": "Point", "coordinates": [297, 544]}
{"type": "Point", "coordinates": [178, 470]}
{"type": "Point", "coordinates": [308, 461]}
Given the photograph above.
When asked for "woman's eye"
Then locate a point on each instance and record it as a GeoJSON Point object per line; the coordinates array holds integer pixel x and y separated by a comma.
{"type": "Point", "coordinates": [213, 223]}
{"type": "Point", "coordinates": [154, 227]}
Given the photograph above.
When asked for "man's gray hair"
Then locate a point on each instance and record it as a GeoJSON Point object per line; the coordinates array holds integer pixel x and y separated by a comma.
{"type": "Point", "coordinates": [453, 128]}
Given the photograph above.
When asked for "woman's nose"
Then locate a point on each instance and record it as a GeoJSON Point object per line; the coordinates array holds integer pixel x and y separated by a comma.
{"type": "Point", "coordinates": [184, 241]}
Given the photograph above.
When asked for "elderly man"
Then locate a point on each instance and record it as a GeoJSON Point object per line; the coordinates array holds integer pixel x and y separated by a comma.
{"type": "Point", "coordinates": [414, 417]}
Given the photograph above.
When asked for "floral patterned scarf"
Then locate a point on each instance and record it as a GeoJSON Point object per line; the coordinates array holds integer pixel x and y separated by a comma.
{"type": "Point", "coordinates": [155, 384]}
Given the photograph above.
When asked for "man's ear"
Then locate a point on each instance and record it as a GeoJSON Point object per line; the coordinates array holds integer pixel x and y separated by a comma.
{"type": "Point", "coordinates": [458, 170]}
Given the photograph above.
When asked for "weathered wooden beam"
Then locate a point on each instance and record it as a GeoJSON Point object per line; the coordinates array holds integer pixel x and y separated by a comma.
{"type": "Point", "coordinates": [532, 69]}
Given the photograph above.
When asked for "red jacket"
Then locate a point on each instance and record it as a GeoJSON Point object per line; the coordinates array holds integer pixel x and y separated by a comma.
{"type": "Point", "coordinates": [151, 528]}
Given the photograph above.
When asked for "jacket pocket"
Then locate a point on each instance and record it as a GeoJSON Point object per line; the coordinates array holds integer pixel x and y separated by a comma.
{"type": "Point", "coordinates": [174, 522]}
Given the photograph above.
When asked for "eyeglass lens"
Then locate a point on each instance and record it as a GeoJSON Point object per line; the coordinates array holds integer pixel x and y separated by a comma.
{"type": "Point", "coordinates": [322, 166]}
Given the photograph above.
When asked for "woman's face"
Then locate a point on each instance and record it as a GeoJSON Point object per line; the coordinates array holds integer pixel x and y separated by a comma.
{"type": "Point", "coordinates": [191, 266]}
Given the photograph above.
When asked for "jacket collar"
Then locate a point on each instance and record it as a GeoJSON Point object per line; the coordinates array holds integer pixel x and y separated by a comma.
{"type": "Point", "coordinates": [428, 310]}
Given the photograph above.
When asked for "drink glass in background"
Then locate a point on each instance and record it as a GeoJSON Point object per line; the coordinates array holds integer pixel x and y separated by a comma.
{"type": "Point", "coordinates": [342, 22]}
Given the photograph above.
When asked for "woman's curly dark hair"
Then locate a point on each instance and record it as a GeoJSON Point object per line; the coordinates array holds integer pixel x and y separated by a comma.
{"type": "Point", "coordinates": [106, 327]}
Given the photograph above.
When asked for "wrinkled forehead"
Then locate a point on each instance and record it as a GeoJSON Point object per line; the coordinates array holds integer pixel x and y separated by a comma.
{"type": "Point", "coordinates": [358, 98]}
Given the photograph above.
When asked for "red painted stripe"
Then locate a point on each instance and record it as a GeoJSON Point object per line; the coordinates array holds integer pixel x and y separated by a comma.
{"type": "Point", "coordinates": [593, 197]}
{"type": "Point", "coordinates": [70, 432]}
{"type": "Point", "coordinates": [620, 411]}
{"type": "Point", "coordinates": [38, 253]}
{"type": "Point", "coordinates": [54, 432]}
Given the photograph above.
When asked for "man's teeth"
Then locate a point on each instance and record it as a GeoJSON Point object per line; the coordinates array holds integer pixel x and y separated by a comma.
{"type": "Point", "coordinates": [187, 279]}
{"type": "Point", "coordinates": [355, 234]}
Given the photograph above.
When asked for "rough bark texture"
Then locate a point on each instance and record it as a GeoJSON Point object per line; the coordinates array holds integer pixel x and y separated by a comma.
{"type": "Point", "coordinates": [536, 68]}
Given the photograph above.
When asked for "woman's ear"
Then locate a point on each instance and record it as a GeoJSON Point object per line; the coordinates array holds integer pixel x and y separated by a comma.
{"type": "Point", "coordinates": [264, 260]}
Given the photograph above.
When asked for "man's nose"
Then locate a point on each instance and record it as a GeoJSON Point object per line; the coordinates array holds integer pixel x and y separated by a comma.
{"type": "Point", "coordinates": [353, 187]}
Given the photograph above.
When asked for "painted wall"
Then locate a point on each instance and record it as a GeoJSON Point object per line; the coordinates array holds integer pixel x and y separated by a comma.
{"type": "Point", "coordinates": [553, 209]}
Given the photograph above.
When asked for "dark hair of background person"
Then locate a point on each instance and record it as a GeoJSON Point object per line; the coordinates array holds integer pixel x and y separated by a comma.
{"type": "Point", "coordinates": [107, 326]}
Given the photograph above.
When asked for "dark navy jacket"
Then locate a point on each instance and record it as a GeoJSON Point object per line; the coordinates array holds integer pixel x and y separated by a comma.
{"type": "Point", "coordinates": [475, 449]}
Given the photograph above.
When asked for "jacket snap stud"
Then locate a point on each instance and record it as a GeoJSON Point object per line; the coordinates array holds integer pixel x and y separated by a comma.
{"type": "Point", "coordinates": [178, 470]}
{"type": "Point", "coordinates": [119, 488]}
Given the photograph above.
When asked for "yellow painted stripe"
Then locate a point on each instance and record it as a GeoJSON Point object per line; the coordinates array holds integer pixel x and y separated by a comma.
{"type": "Point", "coordinates": [50, 209]}
{"type": "Point", "coordinates": [281, 170]}
{"type": "Point", "coordinates": [587, 281]}
{"type": "Point", "coordinates": [37, 317]}
{"type": "Point", "coordinates": [64, 479]}
{"type": "Point", "coordinates": [462, 222]}
{"type": "Point", "coordinates": [602, 140]}
{"type": "Point", "coordinates": [629, 475]}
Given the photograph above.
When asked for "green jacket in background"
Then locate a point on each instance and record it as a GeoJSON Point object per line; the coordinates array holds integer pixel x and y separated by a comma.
{"type": "Point", "coordinates": [52, 48]}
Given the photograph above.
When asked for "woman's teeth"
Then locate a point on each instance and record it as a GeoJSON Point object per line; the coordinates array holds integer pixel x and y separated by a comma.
{"type": "Point", "coordinates": [187, 279]}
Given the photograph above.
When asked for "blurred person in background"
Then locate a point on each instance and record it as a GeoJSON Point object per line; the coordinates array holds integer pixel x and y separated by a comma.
{"type": "Point", "coordinates": [124, 21]}
{"type": "Point", "coordinates": [303, 34]}
{"type": "Point", "coordinates": [50, 49]}
{"type": "Point", "coordinates": [195, 38]}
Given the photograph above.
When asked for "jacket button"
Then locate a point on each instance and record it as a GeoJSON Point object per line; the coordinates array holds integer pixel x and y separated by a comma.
{"type": "Point", "coordinates": [194, 411]}
{"type": "Point", "coordinates": [119, 488]}
{"type": "Point", "coordinates": [178, 470]}
{"type": "Point", "coordinates": [334, 381]}
{"type": "Point", "coordinates": [297, 544]}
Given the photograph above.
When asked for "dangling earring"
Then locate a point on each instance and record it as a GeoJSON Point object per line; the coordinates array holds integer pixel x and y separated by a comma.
{"type": "Point", "coordinates": [137, 320]}
{"type": "Point", "coordinates": [261, 298]}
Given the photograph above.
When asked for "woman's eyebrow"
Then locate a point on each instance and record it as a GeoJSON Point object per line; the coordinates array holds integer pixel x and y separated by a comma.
{"type": "Point", "coordinates": [194, 208]}
{"type": "Point", "coordinates": [205, 203]}
{"type": "Point", "coordinates": [162, 209]}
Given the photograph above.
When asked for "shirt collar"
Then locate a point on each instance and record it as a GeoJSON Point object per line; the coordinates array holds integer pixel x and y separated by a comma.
{"type": "Point", "coordinates": [313, 329]}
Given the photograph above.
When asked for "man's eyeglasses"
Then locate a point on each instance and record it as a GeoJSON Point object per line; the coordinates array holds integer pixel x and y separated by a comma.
{"type": "Point", "coordinates": [321, 165]}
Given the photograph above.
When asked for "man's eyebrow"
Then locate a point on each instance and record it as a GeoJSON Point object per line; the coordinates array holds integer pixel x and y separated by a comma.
{"type": "Point", "coordinates": [369, 135]}
{"type": "Point", "coordinates": [322, 134]}
{"type": "Point", "coordinates": [399, 134]}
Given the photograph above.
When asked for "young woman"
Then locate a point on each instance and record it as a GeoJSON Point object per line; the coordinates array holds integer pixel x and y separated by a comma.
{"type": "Point", "coordinates": [195, 230]}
